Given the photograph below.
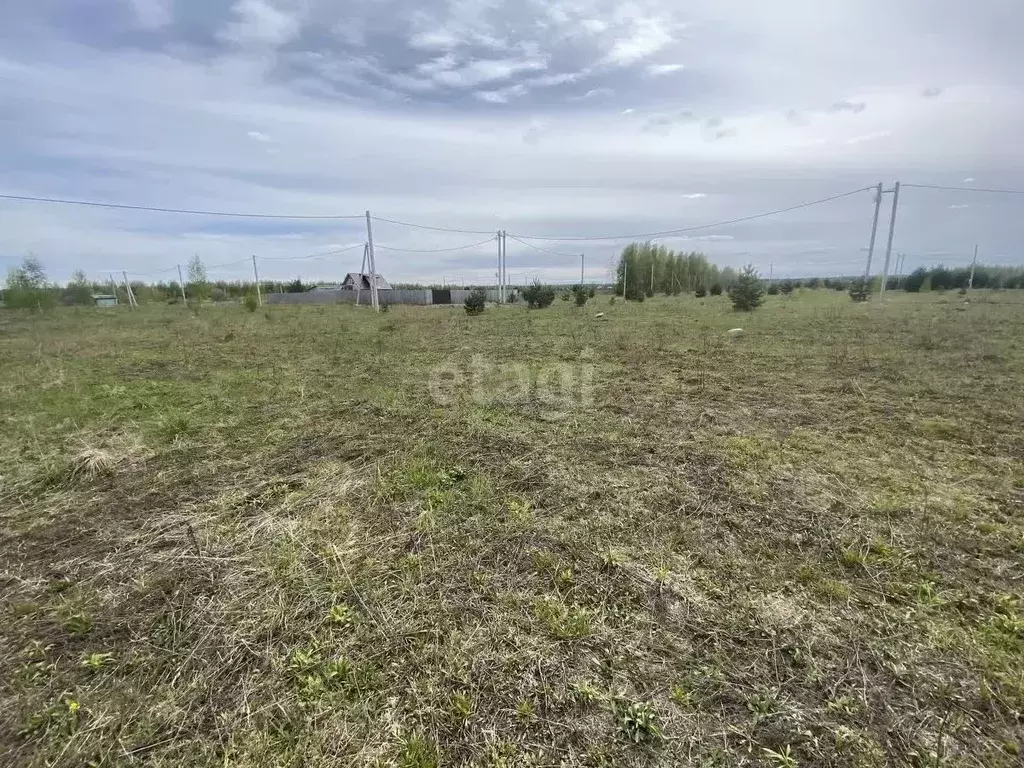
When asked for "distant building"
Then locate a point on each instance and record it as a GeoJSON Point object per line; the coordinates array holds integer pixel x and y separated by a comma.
{"type": "Point", "coordinates": [104, 300]}
{"type": "Point", "coordinates": [361, 281]}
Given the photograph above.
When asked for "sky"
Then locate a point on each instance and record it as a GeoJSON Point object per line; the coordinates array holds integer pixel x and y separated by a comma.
{"type": "Point", "coordinates": [559, 121]}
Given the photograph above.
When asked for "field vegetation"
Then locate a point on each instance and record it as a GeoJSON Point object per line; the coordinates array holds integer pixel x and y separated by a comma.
{"type": "Point", "coordinates": [319, 536]}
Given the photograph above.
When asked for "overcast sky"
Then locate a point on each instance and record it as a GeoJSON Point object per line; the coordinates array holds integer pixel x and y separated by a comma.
{"type": "Point", "coordinates": [564, 118]}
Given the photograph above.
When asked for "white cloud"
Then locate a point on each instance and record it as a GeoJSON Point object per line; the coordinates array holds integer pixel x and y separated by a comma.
{"type": "Point", "coordinates": [968, 180]}
{"type": "Point", "coordinates": [648, 36]}
{"type": "Point", "coordinates": [260, 23]}
{"type": "Point", "coordinates": [628, 111]}
{"type": "Point", "coordinates": [502, 95]}
{"type": "Point", "coordinates": [694, 195]}
{"type": "Point", "coordinates": [151, 14]}
{"type": "Point", "coordinates": [958, 206]}
{"type": "Point", "coordinates": [485, 71]}
{"type": "Point", "coordinates": [258, 136]}
{"type": "Point", "coordinates": [874, 136]}
{"type": "Point", "coordinates": [656, 70]}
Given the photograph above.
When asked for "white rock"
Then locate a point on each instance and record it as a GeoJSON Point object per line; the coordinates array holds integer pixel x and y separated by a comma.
{"type": "Point", "coordinates": [735, 331]}
{"type": "Point", "coordinates": [599, 314]}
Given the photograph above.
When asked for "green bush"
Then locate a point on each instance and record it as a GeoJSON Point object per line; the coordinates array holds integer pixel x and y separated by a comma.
{"type": "Point", "coordinates": [700, 293]}
{"type": "Point", "coordinates": [27, 287]}
{"type": "Point", "coordinates": [773, 289]}
{"type": "Point", "coordinates": [581, 295]}
{"type": "Point", "coordinates": [250, 302]}
{"type": "Point", "coordinates": [538, 296]}
{"type": "Point", "coordinates": [860, 290]}
{"type": "Point", "coordinates": [747, 293]}
{"type": "Point", "coordinates": [787, 286]}
{"type": "Point", "coordinates": [716, 290]}
{"type": "Point", "coordinates": [475, 302]}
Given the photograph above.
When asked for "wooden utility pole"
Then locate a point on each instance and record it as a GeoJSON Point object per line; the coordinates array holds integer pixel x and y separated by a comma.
{"type": "Point", "coordinates": [974, 262]}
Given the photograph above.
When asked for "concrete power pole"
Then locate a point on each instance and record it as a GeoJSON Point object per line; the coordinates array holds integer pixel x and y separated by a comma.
{"type": "Point", "coordinates": [583, 267]}
{"type": "Point", "coordinates": [113, 285]}
{"type": "Point", "coordinates": [874, 230]}
{"type": "Point", "coordinates": [373, 264]}
{"type": "Point", "coordinates": [362, 271]}
{"type": "Point", "coordinates": [974, 263]}
{"type": "Point", "coordinates": [256, 274]}
{"type": "Point", "coordinates": [128, 289]}
{"type": "Point", "coordinates": [181, 283]}
{"type": "Point", "coordinates": [892, 230]}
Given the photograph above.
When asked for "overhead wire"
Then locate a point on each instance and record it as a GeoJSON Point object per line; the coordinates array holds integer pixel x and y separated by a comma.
{"type": "Point", "coordinates": [712, 225]}
{"type": "Point", "coordinates": [435, 250]}
{"type": "Point", "coordinates": [543, 250]}
{"type": "Point", "coordinates": [312, 255]}
{"type": "Point", "coordinates": [124, 207]}
{"type": "Point", "coordinates": [965, 189]}
{"type": "Point", "coordinates": [433, 229]}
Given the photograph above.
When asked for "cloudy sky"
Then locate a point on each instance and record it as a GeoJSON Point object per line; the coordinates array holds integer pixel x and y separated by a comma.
{"type": "Point", "coordinates": [548, 118]}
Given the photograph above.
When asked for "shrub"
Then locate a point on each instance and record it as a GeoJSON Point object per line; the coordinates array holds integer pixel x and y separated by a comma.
{"type": "Point", "coordinates": [747, 293]}
{"type": "Point", "coordinates": [565, 295]}
{"type": "Point", "coordinates": [860, 290]}
{"type": "Point", "coordinates": [716, 289]}
{"type": "Point", "coordinates": [580, 295]}
{"type": "Point", "coordinates": [787, 286]}
{"type": "Point", "coordinates": [700, 293]}
{"type": "Point", "coordinates": [250, 302]}
{"type": "Point", "coordinates": [538, 296]}
{"type": "Point", "coordinates": [475, 302]}
{"type": "Point", "coordinates": [773, 289]}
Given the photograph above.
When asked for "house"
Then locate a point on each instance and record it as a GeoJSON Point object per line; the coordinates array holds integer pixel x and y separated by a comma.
{"type": "Point", "coordinates": [361, 281]}
{"type": "Point", "coordinates": [104, 300]}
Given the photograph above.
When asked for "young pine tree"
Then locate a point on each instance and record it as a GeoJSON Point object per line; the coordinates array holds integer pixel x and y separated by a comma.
{"type": "Point", "coordinates": [747, 293]}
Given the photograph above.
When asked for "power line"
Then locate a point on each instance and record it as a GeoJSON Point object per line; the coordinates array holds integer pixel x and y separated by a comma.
{"type": "Point", "coordinates": [437, 250]}
{"type": "Point", "coordinates": [703, 226]}
{"type": "Point", "coordinates": [311, 256]}
{"type": "Point", "coordinates": [433, 229]}
{"type": "Point", "coordinates": [118, 206]}
{"type": "Point", "coordinates": [968, 189]}
{"type": "Point", "coordinates": [229, 264]}
{"type": "Point", "coordinates": [544, 250]}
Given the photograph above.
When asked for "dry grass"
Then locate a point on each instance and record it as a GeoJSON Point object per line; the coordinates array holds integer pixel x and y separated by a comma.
{"type": "Point", "coordinates": [259, 540]}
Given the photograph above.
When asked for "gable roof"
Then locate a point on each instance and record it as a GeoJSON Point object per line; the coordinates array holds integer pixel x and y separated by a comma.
{"type": "Point", "coordinates": [355, 279]}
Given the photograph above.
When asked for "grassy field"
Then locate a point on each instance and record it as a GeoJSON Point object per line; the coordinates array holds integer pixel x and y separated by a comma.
{"type": "Point", "coordinates": [315, 536]}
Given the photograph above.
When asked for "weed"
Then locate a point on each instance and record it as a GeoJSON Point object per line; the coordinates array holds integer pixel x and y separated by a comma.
{"type": "Point", "coordinates": [78, 623]}
{"type": "Point", "coordinates": [638, 722]}
{"type": "Point", "coordinates": [782, 758]}
{"type": "Point", "coordinates": [419, 753]}
{"type": "Point", "coordinates": [95, 661]}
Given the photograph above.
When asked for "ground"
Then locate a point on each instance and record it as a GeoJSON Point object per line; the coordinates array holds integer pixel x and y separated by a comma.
{"type": "Point", "coordinates": [313, 536]}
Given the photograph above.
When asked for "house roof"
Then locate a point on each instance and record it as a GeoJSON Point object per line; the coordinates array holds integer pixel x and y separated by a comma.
{"type": "Point", "coordinates": [353, 278]}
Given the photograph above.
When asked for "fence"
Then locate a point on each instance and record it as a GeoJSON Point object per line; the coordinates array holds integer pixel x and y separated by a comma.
{"type": "Point", "coordinates": [421, 297]}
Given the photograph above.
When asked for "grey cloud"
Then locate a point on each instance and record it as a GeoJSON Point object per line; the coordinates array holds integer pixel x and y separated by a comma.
{"type": "Point", "coordinates": [847, 106]}
{"type": "Point", "coordinates": [931, 93]}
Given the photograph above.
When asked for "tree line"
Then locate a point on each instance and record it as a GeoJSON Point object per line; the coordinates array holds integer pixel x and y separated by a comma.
{"type": "Point", "coordinates": [28, 287]}
{"type": "Point", "coordinates": [645, 269]}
